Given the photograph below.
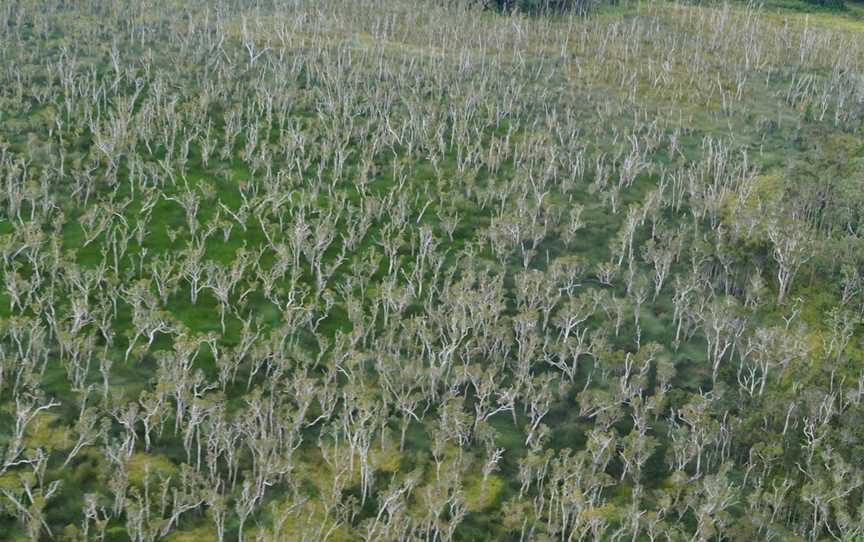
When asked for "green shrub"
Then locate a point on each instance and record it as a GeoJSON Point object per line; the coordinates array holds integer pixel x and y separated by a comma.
{"type": "Point", "coordinates": [831, 4]}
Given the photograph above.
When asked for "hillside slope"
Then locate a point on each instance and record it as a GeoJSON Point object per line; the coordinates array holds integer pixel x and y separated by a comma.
{"type": "Point", "coordinates": [399, 270]}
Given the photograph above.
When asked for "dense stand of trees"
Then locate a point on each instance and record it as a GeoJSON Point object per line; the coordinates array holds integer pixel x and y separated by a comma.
{"type": "Point", "coordinates": [542, 6]}
{"type": "Point", "coordinates": [386, 270]}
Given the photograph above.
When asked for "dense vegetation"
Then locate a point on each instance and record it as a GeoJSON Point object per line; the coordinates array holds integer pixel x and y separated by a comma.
{"type": "Point", "coordinates": [547, 7]}
{"type": "Point", "coordinates": [409, 270]}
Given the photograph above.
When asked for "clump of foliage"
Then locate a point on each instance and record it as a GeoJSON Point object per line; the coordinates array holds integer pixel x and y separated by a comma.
{"type": "Point", "coordinates": [831, 4]}
{"type": "Point", "coordinates": [327, 270]}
